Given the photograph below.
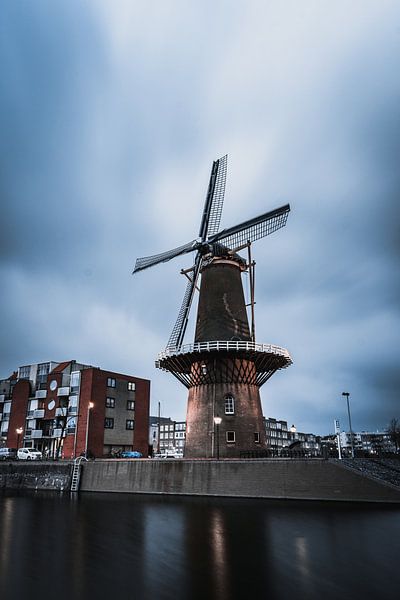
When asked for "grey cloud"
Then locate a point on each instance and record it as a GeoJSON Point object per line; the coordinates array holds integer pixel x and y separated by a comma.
{"type": "Point", "coordinates": [109, 128]}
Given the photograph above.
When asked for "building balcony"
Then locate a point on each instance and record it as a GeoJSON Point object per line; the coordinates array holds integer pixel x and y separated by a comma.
{"type": "Point", "coordinates": [36, 433]}
{"type": "Point", "coordinates": [57, 432]}
{"type": "Point", "coordinates": [41, 394]}
{"type": "Point", "coordinates": [61, 412]}
{"type": "Point", "coordinates": [63, 391]}
{"type": "Point", "coordinates": [2, 397]}
{"type": "Point", "coordinates": [38, 413]}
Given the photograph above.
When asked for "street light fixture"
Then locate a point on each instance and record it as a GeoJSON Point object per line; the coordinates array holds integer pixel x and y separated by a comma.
{"type": "Point", "coordinates": [217, 423]}
{"type": "Point", "coordinates": [90, 406]}
{"type": "Point", "coordinates": [19, 430]}
{"type": "Point", "coordinates": [346, 394]}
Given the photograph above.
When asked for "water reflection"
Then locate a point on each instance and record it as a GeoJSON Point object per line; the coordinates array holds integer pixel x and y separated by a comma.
{"type": "Point", "coordinates": [148, 547]}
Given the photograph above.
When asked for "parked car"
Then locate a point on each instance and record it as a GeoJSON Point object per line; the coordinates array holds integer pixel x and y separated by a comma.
{"type": "Point", "coordinates": [131, 454]}
{"type": "Point", "coordinates": [8, 453]}
{"type": "Point", "coordinates": [29, 454]}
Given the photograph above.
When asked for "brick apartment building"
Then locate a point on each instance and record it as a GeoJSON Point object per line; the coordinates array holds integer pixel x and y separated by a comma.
{"type": "Point", "coordinates": [62, 408]}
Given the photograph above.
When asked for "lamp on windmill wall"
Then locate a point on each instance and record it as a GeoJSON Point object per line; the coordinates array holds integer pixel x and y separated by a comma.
{"type": "Point", "coordinates": [217, 423]}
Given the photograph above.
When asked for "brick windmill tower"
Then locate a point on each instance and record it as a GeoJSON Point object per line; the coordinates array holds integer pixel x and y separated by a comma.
{"type": "Point", "coordinates": [224, 368]}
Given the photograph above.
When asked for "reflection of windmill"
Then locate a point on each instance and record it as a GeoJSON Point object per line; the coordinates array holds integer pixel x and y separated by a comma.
{"type": "Point", "coordinates": [224, 368]}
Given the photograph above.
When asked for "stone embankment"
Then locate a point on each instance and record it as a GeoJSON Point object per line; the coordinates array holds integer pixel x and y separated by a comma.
{"type": "Point", "coordinates": [305, 479]}
{"type": "Point", "coordinates": [288, 479]}
{"type": "Point", "coordinates": [35, 475]}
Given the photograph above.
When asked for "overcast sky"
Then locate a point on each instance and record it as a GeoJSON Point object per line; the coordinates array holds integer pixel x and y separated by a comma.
{"type": "Point", "coordinates": [111, 115]}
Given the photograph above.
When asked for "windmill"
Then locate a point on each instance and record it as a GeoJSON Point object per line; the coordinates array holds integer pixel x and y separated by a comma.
{"type": "Point", "coordinates": [225, 367]}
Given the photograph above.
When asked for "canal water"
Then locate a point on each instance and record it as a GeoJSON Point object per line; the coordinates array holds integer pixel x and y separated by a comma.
{"type": "Point", "coordinates": [158, 547]}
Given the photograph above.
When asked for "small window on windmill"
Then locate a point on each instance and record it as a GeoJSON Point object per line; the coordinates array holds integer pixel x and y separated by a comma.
{"type": "Point", "coordinates": [229, 405]}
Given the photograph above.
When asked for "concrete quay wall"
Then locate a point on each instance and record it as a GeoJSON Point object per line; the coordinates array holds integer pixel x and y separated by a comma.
{"type": "Point", "coordinates": [35, 475]}
{"type": "Point", "coordinates": [311, 479]}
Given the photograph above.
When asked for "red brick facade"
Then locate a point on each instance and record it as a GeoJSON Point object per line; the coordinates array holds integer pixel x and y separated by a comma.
{"type": "Point", "coordinates": [19, 408]}
{"type": "Point", "coordinates": [93, 389]}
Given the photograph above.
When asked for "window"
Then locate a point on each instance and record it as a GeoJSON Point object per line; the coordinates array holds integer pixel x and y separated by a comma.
{"type": "Point", "coordinates": [131, 386]}
{"type": "Point", "coordinates": [230, 436]}
{"type": "Point", "coordinates": [229, 405]}
{"type": "Point", "coordinates": [71, 425]}
{"type": "Point", "coordinates": [75, 380]}
{"type": "Point", "coordinates": [24, 372]}
{"type": "Point", "coordinates": [130, 405]}
{"type": "Point", "coordinates": [43, 369]}
{"type": "Point", "coordinates": [110, 402]}
{"type": "Point", "coordinates": [111, 382]}
{"type": "Point", "coordinates": [108, 423]}
{"type": "Point", "coordinates": [73, 405]}
{"type": "Point", "coordinates": [256, 437]}
{"type": "Point", "coordinates": [130, 424]}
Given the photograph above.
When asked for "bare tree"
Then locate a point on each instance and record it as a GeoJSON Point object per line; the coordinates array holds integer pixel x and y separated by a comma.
{"type": "Point", "coordinates": [394, 432]}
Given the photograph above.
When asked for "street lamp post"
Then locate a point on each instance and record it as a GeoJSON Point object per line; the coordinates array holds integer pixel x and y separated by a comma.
{"type": "Point", "coordinates": [346, 394]}
{"type": "Point", "coordinates": [217, 423]}
{"type": "Point", "coordinates": [19, 430]}
{"type": "Point", "coordinates": [90, 406]}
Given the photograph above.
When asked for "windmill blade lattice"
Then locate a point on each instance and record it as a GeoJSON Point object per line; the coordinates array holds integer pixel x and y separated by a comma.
{"type": "Point", "coordinates": [178, 332]}
{"type": "Point", "coordinates": [149, 261]}
{"type": "Point", "coordinates": [254, 229]}
{"type": "Point", "coordinates": [217, 202]}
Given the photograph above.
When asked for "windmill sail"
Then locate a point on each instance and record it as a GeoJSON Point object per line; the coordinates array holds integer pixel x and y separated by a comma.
{"type": "Point", "coordinates": [214, 199]}
{"type": "Point", "coordinates": [254, 229]}
{"type": "Point", "coordinates": [149, 261]}
{"type": "Point", "coordinates": [178, 332]}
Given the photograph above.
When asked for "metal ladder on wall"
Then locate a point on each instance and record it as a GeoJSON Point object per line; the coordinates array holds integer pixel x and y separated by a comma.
{"type": "Point", "coordinates": [76, 473]}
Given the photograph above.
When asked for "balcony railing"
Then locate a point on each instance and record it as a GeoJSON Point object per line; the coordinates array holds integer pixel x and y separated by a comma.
{"type": "Point", "coordinates": [36, 433]}
{"type": "Point", "coordinates": [41, 394]}
{"type": "Point", "coordinates": [63, 391]}
{"type": "Point", "coordinates": [38, 413]}
{"type": "Point", "coordinates": [224, 345]}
